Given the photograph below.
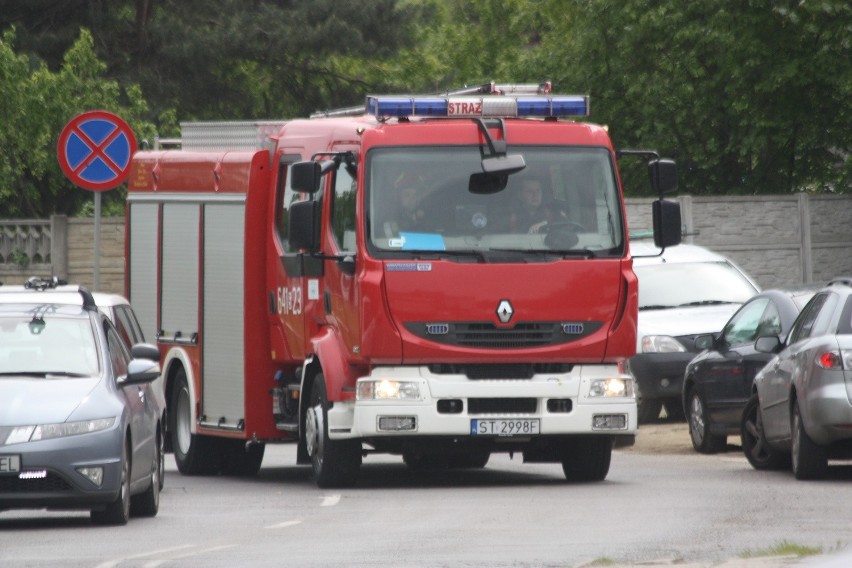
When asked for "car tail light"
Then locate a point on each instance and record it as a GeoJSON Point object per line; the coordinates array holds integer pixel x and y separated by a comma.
{"type": "Point", "coordinates": [835, 360]}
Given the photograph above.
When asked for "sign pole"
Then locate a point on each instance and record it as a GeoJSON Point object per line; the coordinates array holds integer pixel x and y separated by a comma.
{"type": "Point", "coordinates": [96, 270]}
{"type": "Point", "coordinates": [95, 150]}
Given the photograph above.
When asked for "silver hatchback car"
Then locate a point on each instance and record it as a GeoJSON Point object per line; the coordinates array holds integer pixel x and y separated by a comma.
{"type": "Point", "coordinates": [800, 413]}
{"type": "Point", "coordinates": [80, 421]}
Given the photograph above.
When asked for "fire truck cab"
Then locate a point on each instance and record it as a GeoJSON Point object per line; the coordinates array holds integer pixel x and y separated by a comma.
{"type": "Point", "coordinates": [440, 277]}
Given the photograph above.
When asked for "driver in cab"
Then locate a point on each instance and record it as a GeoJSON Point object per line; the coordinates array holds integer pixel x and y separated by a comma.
{"type": "Point", "coordinates": [531, 213]}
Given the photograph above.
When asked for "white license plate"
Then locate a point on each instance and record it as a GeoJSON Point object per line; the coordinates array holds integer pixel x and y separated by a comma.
{"type": "Point", "coordinates": [505, 426]}
{"type": "Point", "coordinates": [10, 463]}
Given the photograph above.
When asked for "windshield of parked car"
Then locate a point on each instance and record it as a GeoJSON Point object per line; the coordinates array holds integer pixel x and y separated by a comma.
{"type": "Point", "coordinates": [691, 284]}
{"type": "Point", "coordinates": [564, 203]}
{"type": "Point", "coordinates": [41, 345]}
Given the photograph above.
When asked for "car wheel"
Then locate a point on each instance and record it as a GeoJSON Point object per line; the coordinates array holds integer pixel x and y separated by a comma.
{"type": "Point", "coordinates": [810, 460]}
{"type": "Point", "coordinates": [118, 512]}
{"type": "Point", "coordinates": [194, 454]}
{"type": "Point", "coordinates": [147, 504]}
{"type": "Point", "coordinates": [757, 450]}
{"type": "Point", "coordinates": [335, 463]}
{"type": "Point", "coordinates": [699, 427]}
{"type": "Point", "coordinates": [587, 459]}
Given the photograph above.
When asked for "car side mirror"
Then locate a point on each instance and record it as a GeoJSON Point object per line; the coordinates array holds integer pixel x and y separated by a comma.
{"type": "Point", "coordinates": [768, 344]}
{"type": "Point", "coordinates": [703, 342]}
{"type": "Point", "coordinates": [145, 351]}
{"type": "Point", "coordinates": [141, 371]}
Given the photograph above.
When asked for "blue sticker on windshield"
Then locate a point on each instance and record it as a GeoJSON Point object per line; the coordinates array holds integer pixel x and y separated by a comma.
{"type": "Point", "coordinates": [422, 241]}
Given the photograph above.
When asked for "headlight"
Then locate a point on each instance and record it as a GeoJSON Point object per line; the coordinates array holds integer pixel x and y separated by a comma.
{"type": "Point", "coordinates": [612, 387]}
{"type": "Point", "coordinates": [661, 344]}
{"type": "Point", "coordinates": [387, 389]}
{"type": "Point", "coordinates": [20, 434]}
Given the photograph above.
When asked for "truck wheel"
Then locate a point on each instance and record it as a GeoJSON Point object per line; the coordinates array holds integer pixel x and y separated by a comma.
{"type": "Point", "coordinates": [810, 460]}
{"type": "Point", "coordinates": [587, 459]}
{"type": "Point", "coordinates": [699, 427]}
{"type": "Point", "coordinates": [757, 450]}
{"type": "Point", "coordinates": [474, 459]}
{"type": "Point", "coordinates": [194, 454]}
{"type": "Point", "coordinates": [335, 462]}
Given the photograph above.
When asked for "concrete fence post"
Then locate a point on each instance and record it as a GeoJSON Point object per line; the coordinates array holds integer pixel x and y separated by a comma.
{"type": "Point", "coordinates": [59, 246]}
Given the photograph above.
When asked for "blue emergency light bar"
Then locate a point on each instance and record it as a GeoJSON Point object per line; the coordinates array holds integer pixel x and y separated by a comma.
{"type": "Point", "coordinates": [489, 106]}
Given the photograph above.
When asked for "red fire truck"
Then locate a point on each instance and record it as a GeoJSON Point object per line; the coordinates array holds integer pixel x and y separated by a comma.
{"type": "Point", "coordinates": [439, 277]}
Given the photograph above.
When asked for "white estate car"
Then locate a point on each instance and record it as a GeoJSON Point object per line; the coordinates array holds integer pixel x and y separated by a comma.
{"type": "Point", "coordinates": [687, 291]}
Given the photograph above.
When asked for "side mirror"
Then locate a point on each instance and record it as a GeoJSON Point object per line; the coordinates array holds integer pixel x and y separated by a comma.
{"type": "Point", "coordinates": [663, 176]}
{"type": "Point", "coordinates": [303, 231]}
{"type": "Point", "coordinates": [141, 371]}
{"type": "Point", "coordinates": [768, 344]}
{"type": "Point", "coordinates": [305, 176]}
{"type": "Point", "coordinates": [703, 342]}
{"type": "Point", "coordinates": [667, 223]}
{"type": "Point", "coordinates": [145, 351]}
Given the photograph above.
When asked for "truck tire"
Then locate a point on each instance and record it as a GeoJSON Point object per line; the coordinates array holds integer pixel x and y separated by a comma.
{"type": "Point", "coordinates": [194, 454]}
{"type": "Point", "coordinates": [335, 462]}
{"type": "Point", "coordinates": [587, 459]}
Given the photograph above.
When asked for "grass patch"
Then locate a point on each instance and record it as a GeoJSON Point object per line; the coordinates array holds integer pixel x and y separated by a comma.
{"type": "Point", "coordinates": [783, 548]}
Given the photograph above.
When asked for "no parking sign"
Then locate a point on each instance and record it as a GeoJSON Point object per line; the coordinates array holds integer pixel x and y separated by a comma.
{"type": "Point", "coordinates": [95, 149]}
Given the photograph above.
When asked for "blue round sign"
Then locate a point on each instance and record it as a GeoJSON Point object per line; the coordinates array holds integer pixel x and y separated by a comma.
{"type": "Point", "coordinates": [95, 150]}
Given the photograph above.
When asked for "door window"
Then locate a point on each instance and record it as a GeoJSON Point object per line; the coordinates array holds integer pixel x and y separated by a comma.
{"type": "Point", "coordinates": [743, 328]}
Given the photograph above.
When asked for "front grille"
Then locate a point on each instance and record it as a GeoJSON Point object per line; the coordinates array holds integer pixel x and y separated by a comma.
{"type": "Point", "coordinates": [487, 335]}
{"type": "Point", "coordinates": [499, 371]}
{"type": "Point", "coordinates": [502, 405]}
{"type": "Point", "coordinates": [53, 483]}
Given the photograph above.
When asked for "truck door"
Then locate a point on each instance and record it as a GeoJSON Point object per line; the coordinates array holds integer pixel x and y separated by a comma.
{"type": "Point", "coordinates": [340, 296]}
{"type": "Point", "coordinates": [288, 276]}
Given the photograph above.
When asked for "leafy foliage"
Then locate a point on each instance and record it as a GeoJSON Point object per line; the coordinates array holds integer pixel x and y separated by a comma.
{"type": "Point", "coordinates": [38, 103]}
{"type": "Point", "coordinates": [748, 97]}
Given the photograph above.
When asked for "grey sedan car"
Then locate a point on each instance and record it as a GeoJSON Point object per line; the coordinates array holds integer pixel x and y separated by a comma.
{"type": "Point", "coordinates": [800, 412]}
{"type": "Point", "coordinates": [80, 423]}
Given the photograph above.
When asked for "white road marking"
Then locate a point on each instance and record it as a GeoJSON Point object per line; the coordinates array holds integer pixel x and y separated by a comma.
{"type": "Point", "coordinates": [284, 525]}
{"type": "Point", "coordinates": [155, 563]}
{"type": "Point", "coordinates": [330, 500]}
{"type": "Point", "coordinates": [117, 561]}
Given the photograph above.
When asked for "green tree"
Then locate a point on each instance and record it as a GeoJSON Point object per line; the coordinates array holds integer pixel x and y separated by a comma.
{"type": "Point", "coordinates": [749, 97]}
{"type": "Point", "coordinates": [35, 105]}
{"type": "Point", "coordinates": [228, 59]}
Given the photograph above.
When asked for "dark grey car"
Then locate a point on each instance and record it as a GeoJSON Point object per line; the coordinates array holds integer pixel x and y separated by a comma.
{"type": "Point", "coordinates": [80, 424]}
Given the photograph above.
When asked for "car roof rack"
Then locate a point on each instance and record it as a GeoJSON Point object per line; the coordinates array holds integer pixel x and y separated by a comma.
{"type": "Point", "coordinates": [53, 283]}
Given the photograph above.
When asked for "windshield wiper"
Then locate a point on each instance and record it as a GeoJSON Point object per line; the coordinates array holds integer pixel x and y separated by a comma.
{"type": "Point", "coordinates": [476, 255]}
{"type": "Point", "coordinates": [42, 374]}
{"type": "Point", "coordinates": [581, 253]}
{"type": "Point", "coordinates": [707, 303]}
{"type": "Point", "coordinates": [656, 307]}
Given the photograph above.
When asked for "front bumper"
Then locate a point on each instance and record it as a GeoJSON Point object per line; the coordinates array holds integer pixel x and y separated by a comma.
{"type": "Point", "coordinates": [660, 375]}
{"type": "Point", "coordinates": [49, 478]}
{"type": "Point", "coordinates": [559, 402]}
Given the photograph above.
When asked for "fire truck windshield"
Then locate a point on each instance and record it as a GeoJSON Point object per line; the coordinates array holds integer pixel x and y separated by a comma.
{"type": "Point", "coordinates": [565, 200]}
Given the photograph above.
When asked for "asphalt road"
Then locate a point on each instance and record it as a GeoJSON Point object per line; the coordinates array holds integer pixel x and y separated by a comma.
{"type": "Point", "coordinates": [661, 505]}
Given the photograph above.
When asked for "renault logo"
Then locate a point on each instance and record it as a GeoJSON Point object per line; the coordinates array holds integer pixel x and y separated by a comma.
{"type": "Point", "coordinates": [505, 311]}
